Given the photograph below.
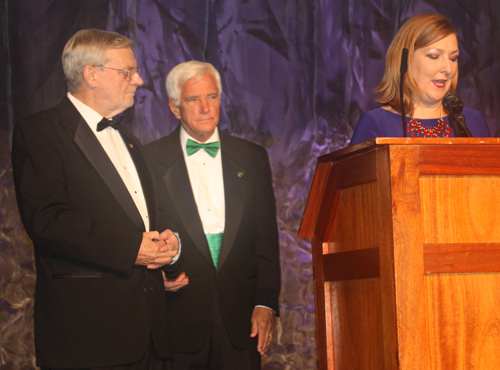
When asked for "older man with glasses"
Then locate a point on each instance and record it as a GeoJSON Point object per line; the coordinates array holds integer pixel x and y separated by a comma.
{"type": "Point", "coordinates": [86, 200]}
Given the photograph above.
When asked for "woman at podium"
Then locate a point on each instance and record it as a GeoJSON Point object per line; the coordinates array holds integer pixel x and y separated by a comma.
{"type": "Point", "coordinates": [431, 65]}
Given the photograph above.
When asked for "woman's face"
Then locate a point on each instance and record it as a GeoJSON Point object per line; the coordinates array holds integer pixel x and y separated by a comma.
{"type": "Point", "coordinates": [433, 68]}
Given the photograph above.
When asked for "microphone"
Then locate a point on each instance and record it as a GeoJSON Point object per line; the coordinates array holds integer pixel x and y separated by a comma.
{"type": "Point", "coordinates": [402, 70]}
{"type": "Point", "coordinates": [454, 106]}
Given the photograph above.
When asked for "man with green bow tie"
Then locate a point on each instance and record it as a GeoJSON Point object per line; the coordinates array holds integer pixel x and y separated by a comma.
{"type": "Point", "coordinates": [223, 299]}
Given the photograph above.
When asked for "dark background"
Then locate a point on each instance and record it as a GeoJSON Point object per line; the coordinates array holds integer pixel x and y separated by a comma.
{"type": "Point", "coordinates": [296, 75]}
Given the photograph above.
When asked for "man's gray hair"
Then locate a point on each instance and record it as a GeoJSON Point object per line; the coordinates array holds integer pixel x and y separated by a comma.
{"type": "Point", "coordinates": [183, 72]}
{"type": "Point", "coordinates": [89, 47]}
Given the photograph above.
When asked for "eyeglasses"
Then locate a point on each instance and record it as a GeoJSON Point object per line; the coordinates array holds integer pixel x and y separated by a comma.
{"type": "Point", "coordinates": [131, 73]}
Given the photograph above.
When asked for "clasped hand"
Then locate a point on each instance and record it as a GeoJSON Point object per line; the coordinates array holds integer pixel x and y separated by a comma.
{"type": "Point", "coordinates": [157, 249]}
{"type": "Point", "coordinates": [174, 285]}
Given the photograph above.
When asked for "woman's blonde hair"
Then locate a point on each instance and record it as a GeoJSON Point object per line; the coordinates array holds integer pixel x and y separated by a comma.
{"type": "Point", "coordinates": [416, 33]}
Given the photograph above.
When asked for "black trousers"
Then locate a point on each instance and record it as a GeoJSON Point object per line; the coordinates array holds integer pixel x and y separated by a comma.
{"type": "Point", "coordinates": [218, 353]}
{"type": "Point", "coordinates": [150, 361]}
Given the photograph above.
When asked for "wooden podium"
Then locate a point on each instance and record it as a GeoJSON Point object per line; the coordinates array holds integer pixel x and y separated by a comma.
{"type": "Point", "coordinates": [406, 251]}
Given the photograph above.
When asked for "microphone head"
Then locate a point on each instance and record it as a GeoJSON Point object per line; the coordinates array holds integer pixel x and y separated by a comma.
{"type": "Point", "coordinates": [452, 103]}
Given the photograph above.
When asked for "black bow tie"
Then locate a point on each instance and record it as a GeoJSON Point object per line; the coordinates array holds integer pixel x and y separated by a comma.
{"type": "Point", "coordinates": [115, 123]}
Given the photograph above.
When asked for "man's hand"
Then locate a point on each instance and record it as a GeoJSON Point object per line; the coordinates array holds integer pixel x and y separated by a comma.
{"type": "Point", "coordinates": [172, 244]}
{"type": "Point", "coordinates": [169, 238]}
{"type": "Point", "coordinates": [174, 285]}
{"type": "Point", "coordinates": [263, 321]}
{"type": "Point", "coordinates": [154, 251]}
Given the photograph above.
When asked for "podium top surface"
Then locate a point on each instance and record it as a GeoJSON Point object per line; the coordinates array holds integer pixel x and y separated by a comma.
{"type": "Point", "coordinates": [382, 141]}
{"type": "Point", "coordinates": [357, 164]}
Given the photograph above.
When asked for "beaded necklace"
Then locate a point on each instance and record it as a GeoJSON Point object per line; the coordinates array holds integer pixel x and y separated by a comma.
{"type": "Point", "coordinates": [415, 128]}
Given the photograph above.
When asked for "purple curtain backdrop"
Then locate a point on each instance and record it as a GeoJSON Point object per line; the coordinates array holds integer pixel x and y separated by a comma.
{"type": "Point", "coordinates": [296, 76]}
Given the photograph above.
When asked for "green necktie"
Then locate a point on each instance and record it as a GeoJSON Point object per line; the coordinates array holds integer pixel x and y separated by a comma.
{"type": "Point", "coordinates": [211, 148]}
{"type": "Point", "coordinates": [214, 243]}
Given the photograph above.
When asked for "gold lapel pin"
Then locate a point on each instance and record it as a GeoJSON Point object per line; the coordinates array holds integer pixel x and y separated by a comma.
{"type": "Point", "coordinates": [131, 145]}
{"type": "Point", "coordinates": [240, 174]}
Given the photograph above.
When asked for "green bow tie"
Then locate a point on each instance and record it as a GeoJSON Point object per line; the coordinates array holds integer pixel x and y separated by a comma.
{"type": "Point", "coordinates": [211, 148]}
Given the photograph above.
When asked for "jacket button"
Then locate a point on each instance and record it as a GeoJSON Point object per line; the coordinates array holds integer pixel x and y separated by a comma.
{"type": "Point", "coordinates": [146, 290]}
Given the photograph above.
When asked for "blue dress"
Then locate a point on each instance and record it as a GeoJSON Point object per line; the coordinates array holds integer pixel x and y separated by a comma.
{"type": "Point", "coordinates": [383, 123]}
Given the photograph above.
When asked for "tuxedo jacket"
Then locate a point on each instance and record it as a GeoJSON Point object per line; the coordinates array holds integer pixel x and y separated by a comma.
{"type": "Point", "coordinates": [93, 306]}
{"type": "Point", "coordinates": [248, 271]}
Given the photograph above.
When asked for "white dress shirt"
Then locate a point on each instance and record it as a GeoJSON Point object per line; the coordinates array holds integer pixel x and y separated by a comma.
{"type": "Point", "coordinates": [117, 152]}
{"type": "Point", "coordinates": [207, 183]}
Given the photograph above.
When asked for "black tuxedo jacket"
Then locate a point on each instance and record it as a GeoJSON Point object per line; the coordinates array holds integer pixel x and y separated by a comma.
{"type": "Point", "coordinates": [248, 272]}
{"type": "Point", "coordinates": [93, 306]}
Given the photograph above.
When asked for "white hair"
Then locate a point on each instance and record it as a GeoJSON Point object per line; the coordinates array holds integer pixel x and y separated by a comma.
{"type": "Point", "coordinates": [89, 47]}
{"type": "Point", "coordinates": [183, 72]}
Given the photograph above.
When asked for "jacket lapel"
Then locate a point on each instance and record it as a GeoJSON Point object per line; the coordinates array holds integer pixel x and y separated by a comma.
{"type": "Point", "coordinates": [96, 155]}
{"type": "Point", "coordinates": [235, 179]}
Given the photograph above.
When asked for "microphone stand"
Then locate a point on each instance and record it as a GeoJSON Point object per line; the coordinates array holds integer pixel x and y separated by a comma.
{"type": "Point", "coordinates": [454, 106]}
{"type": "Point", "coordinates": [460, 119]}
{"type": "Point", "coordinates": [404, 67]}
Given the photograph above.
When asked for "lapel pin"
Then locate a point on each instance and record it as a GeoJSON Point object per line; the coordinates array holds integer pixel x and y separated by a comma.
{"type": "Point", "coordinates": [240, 174]}
{"type": "Point", "coordinates": [131, 145]}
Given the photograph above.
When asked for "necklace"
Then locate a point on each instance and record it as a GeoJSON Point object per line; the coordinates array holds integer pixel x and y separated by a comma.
{"type": "Point", "coordinates": [415, 128]}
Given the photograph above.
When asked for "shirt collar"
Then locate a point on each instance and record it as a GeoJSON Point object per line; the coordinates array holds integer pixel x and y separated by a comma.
{"type": "Point", "coordinates": [89, 115]}
{"type": "Point", "coordinates": [185, 136]}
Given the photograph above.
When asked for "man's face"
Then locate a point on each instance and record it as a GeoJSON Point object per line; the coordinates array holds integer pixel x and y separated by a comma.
{"type": "Point", "coordinates": [199, 107]}
{"type": "Point", "coordinates": [115, 91]}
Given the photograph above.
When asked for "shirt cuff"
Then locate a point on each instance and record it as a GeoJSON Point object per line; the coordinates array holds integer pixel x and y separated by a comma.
{"type": "Point", "coordinates": [176, 257]}
{"type": "Point", "coordinates": [259, 305]}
